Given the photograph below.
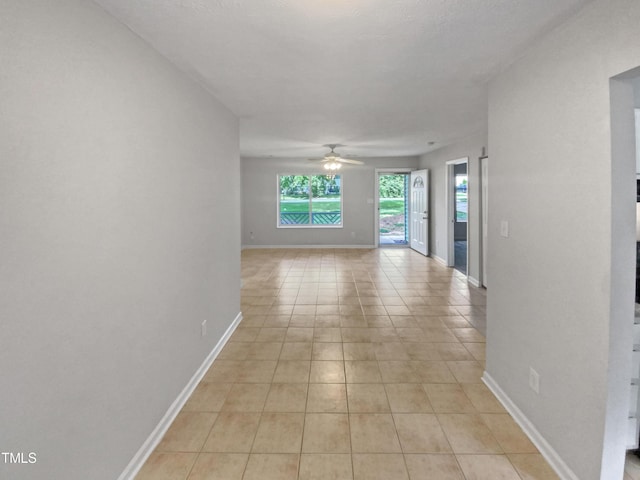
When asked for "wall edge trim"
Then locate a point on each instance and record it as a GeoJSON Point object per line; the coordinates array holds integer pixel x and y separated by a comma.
{"type": "Point", "coordinates": [141, 456]}
{"type": "Point", "coordinates": [547, 451]}
{"type": "Point", "coordinates": [474, 281]}
{"type": "Point", "coordinates": [438, 259]}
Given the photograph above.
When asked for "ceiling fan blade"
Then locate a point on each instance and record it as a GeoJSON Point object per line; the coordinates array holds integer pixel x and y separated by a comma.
{"type": "Point", "coordinates": [317, 159]}
{"type": "Point", "coordinates": [350, 161]}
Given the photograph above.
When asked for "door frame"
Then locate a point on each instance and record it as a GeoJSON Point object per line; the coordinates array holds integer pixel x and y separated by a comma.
{"type": "Point", "coordinates": [449, 189]}
{"type": "Point", "coordinates": [484, 218]}
{"type": "Point", "coordinates": [376, 202]}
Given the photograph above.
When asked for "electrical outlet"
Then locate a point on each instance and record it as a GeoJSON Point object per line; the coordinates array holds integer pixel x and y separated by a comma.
{"type": "Point", "coordinates": [534, 380]}
{"type": "Point", "coordinates": [251, 236]}
{"type": "Point", "coordinates": [203, 328]}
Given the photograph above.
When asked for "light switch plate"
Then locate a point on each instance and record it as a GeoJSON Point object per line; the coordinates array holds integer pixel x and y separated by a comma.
{"type": "Point", "coordinates": [534, 380]}
{"type": "Point", "coordinates": [504, 228]}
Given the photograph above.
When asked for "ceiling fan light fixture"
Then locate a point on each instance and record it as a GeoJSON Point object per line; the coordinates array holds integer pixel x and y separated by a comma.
{"type": "Point", "coordinates": [332, 166]}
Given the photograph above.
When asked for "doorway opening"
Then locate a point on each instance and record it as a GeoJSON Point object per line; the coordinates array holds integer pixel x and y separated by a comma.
{"type": "Point", "coordinates": [393, 209]}
{"type": "Point", "coordinates": [458, 209]}
{"type": "Point", "coordinates": [624, 320]}
{"type": "Point", "coordinates": [460, 217]}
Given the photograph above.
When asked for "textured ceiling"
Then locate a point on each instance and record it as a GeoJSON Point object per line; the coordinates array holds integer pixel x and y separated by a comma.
{"type": "Point", "coordinates": [383, 77]}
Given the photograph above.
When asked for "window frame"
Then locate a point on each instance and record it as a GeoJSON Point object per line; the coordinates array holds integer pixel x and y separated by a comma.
{"type": "Point", "coordinates": [310, 199]}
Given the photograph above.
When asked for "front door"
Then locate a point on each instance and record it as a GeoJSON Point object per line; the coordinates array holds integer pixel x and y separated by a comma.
{"type": "Point", "coordinates": [420, 211]}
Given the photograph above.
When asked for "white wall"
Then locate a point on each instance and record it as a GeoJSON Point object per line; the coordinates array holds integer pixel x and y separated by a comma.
{"type": "Point", "coordinates": [260, 193]}
{"type": "Point", "coordinates": [119, 226]}
{"type": "Point", "coordinates": [561, 296]}
{"type": "Point", "coordinates": [436, 163]}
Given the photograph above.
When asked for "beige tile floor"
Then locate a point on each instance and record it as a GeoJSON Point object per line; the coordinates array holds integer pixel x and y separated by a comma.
{"type": "Point", "coordinates": [349, 364]}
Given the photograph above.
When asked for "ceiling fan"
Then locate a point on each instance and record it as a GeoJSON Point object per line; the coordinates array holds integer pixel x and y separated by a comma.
{"type": "Point", "coordinates": [333, 161]}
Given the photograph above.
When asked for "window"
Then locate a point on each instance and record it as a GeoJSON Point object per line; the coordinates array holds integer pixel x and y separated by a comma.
{"type": "Point", "coordinates": [309, 201]}
{"type": "Point", "coordinates": [461, 197]}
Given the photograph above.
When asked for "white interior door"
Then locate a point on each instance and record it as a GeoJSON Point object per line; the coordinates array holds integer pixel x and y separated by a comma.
{"type": "Point", "coordinates": [420, 211]}
{"type": "Point", "coordinates": [484, 181]}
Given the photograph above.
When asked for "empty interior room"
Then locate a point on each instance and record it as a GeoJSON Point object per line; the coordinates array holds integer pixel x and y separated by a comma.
{"type": "Point", "coordinates": [319, 239]}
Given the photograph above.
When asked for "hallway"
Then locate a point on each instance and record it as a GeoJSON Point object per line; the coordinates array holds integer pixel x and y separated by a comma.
{"type": "Point", "coordinates": [349, 364]}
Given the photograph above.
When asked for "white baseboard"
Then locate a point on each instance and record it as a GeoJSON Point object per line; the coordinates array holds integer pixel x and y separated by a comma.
{"type": "Point", "coordinates": [438, 259]}
{"type": "Point", "coordinates": [156, 435]}
{"type": "Point", "coordinates": [245, 247]}
{"type": "Point", "coordinates": [473, 281]}
{"type": "Point", "coordinates": [547, 451]}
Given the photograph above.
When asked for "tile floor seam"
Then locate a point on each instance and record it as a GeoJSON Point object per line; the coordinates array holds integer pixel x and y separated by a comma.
{"type": "Point", "coordinates": [194, 463]}
{"type": "Point", "coordinates": [348, 417]}
{"type": "Point", "coordinates": [304, 424]}
{"type": "Point", "coordinates": [460, 467]}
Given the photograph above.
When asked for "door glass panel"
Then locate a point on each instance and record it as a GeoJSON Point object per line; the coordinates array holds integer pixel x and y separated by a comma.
{"type": "Point", "coordinates": [393, 203]}
{"type": "Point", "coordinates": [461, 198]}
